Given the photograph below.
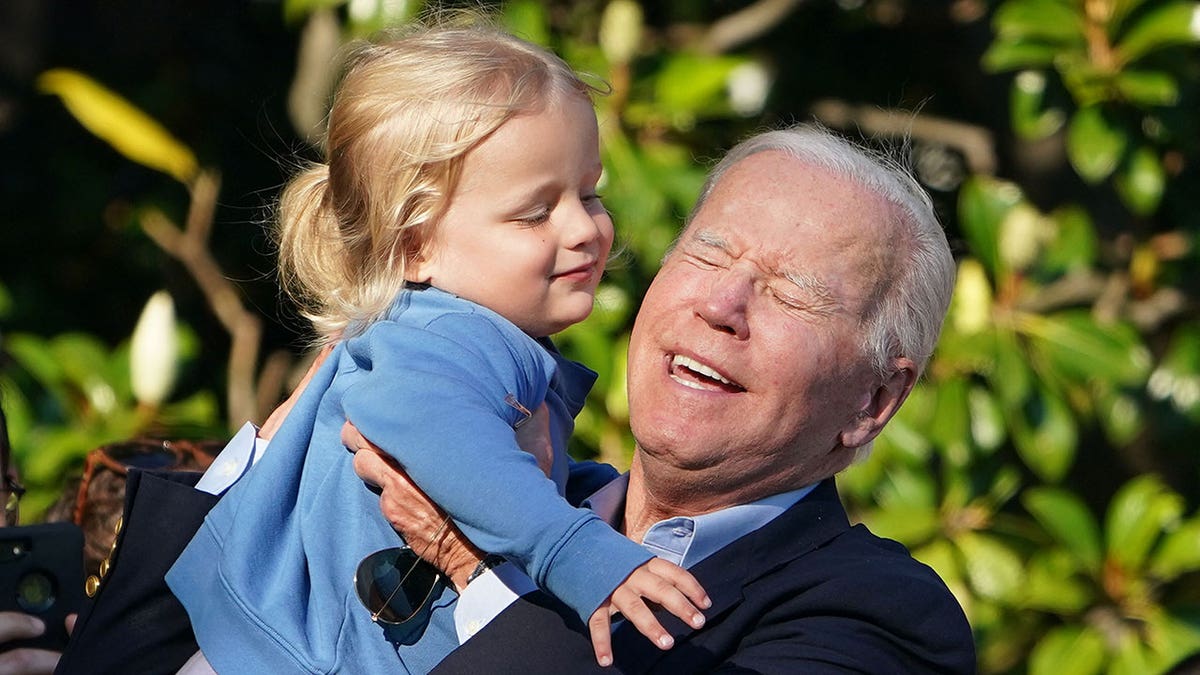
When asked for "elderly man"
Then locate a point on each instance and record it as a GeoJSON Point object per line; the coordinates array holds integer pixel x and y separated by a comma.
{"type": "Point", "coordinates": [785, 328]}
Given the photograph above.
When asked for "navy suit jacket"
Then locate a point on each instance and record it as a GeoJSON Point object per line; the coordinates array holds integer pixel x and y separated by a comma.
{"type": "Point", "coordinates": [807, 593]}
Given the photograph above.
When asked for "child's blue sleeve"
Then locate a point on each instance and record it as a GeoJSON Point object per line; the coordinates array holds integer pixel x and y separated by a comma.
{"type": "Point", "coordinates": [433, 398]}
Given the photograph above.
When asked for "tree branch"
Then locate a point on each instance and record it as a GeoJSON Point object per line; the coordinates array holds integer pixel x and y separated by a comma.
{"type": "Point", "coordinates": [190, 247]}
{"type": "Point", "coordinates": [744, 25]}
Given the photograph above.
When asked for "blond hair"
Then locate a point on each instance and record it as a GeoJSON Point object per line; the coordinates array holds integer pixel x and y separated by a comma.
{"type": "Point", "coordinates": [406, 112]}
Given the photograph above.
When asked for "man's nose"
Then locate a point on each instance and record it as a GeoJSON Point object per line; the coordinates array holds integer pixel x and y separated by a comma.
{"type": "Point", "coordinates": [724, 306]}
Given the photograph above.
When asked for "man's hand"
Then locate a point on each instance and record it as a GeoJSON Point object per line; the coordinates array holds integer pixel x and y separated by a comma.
{"type": "Point", "coordinates": [659, 582]}
{"type": "Point", "coordinates": [18, 626]}
{"type": "Point", "coordinates": [411, 513]}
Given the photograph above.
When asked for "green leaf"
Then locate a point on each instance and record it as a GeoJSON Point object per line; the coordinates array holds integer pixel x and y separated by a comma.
{"type": "Point", "coordinates": [527, 19]}
{"type": "Point", "coordinates": [1081, 348]}
{"type": "Point", "coordinates": [1175, 634]}
{"type": "Point", "coordinates": [1147, 87]}
{"type": "Point", "coordinates": [6, 302]}
{"type": "Point", "coordinates": [1047, 20]}
{"type": "Point", "coordinates": [1121, 416]}
{"type": "Point", "coordinates": [908, 488]}
{"type": "Point", "coordinates": [1137, 516]}
{"type": "Point", "coordinates": [952, 431]}
{"type": "Point", "coordinates": [907, 523]}
{"type": "Point", "coordinates": [1172, 23]}
{"type": "Point", "coordinates": [1177, 378]}
{"type": "Point", "coordinates": [1141, 181]}
{"type": "Point", "coordinates": [1068, 520]}
{"type": "Point", "coordinates": [1045, 435]}
{"type": "Point", "coordinates": [983, 203]}
{"type": "Point", "coordinates": [1026, 103]}
{"type": "Point", "coordinates": [1052, 584]}
{"type": "Point", "coordinates": [905, 439]}
{"type": "Point", "coordinates": [1010, 376]}
{"type": "Point", "coordinates": [36, 356]}
{"type": "Point", "coordinates": [694, 83]}
{"type": "Point", "coordinates": [1095, 144]}
{"type": "Point", "coordinates": [1018, 54]}
{"type": "Point", "coordinates": [1068, 650]}
{"type": "Point", "coordinates": [1075, 245]}
{"type": "Point", "coordinates": [295, 10]}
{"type": "Point", "coordinates": [1179, 551]}
{"type": "Point", "coordinates": [993, 568]}
{"type": "Point", "coordinates": [1133, 657]}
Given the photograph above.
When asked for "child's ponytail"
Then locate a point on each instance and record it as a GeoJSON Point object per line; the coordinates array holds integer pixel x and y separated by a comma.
{"type": "Point", "coordinates": [312, 255]}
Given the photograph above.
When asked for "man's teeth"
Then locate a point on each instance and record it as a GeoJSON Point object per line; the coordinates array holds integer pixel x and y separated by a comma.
{"type": "Point", "coordinates": [699, 368]}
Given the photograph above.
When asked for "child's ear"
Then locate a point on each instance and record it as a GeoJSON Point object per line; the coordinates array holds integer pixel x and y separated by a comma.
{"type": "Point", "coordinates": [418, 270]}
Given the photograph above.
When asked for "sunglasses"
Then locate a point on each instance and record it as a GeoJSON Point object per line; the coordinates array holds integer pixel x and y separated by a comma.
{"type": "Point", "coordinates": [396, 584]}
{"type": "Point", "coordinates": [143, 453]}
{"type": "Point", "coordinates": [100, 497]}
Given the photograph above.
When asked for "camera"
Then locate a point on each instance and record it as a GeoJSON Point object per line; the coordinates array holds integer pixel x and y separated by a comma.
{"type": "Point", "coordinates": [41, 573]}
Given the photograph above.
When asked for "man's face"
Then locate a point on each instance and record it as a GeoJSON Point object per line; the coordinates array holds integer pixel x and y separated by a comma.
{"type": "Point", "coordinates": [746, 368]}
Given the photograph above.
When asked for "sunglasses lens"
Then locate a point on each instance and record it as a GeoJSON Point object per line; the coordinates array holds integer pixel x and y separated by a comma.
{"type": "Point", "coordinates": [394, 584]}
{"type": "Point", "coordinates": [143, 455]}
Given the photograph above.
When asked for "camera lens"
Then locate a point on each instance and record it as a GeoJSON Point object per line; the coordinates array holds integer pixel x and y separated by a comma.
{"type": "Point", "coordinates": [35, 592]}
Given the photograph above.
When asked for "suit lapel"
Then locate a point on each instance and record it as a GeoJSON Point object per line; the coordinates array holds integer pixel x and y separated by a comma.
{"type": "Point", "coordinates": [804, 527]}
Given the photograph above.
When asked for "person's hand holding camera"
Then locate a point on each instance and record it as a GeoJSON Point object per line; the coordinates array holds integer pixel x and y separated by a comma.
{"type": "Point", "coordinates": [18, 626]}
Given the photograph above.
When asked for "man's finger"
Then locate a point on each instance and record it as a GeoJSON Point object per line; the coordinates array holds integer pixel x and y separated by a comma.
{"type": "Point", "coordinates": [18, 626]}
{"type": "Point", "coordinates": [601, 630]}
{"type": "Point", "coordinates": [28, 662]}
{"type": "Point", "coordinates": [370, 467]}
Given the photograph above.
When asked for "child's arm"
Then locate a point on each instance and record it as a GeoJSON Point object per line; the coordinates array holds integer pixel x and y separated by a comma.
{"type": "Point", "coordinates": [416, 518]}
{"type": "Point", "coordinates": [433, 398]}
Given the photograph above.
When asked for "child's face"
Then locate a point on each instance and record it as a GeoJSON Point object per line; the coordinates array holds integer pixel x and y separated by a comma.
{"type": "Point", "coordinates": [525, 233]}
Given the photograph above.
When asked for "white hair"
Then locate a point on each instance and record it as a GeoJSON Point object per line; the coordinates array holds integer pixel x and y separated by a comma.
{"type": "Point", "coordinates": [907, 319]}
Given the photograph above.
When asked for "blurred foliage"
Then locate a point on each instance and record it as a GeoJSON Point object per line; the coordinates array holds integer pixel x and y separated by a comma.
{"type": "Point", "coordinates": [1045, 466]}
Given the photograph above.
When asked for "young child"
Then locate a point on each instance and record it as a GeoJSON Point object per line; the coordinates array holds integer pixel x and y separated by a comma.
{"type": "Point", "coordinates": [455, 227]}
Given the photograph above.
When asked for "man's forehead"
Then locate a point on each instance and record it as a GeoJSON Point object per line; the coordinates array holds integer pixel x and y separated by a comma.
{"type": "Point", "coordinates": [775, 263]}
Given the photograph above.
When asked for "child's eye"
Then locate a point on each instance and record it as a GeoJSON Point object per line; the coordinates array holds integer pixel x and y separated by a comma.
{"type": "Point", "coordinates": [539, 218]}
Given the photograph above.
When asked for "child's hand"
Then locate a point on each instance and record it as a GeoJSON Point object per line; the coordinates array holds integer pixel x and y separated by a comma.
{"type": "Point", "coordinates": [659, 582]}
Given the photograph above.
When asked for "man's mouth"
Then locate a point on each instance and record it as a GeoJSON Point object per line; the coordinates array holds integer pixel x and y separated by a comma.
{"type": "Point", "coordinates": [691, 373]}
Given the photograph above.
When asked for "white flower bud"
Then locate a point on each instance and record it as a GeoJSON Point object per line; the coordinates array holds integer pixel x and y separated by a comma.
{"type": "Point", "coordinates": [154, 353]}
{"type": "Point", "coordinates": [621, 31]}
{"type": "Point", "coordinates": [748, 86]}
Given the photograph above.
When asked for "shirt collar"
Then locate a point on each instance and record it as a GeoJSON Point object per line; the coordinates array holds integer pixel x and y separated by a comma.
{"type": "Point", "coordinates": [572, 380]}
{"type": "Point", "coordinates": [686, 540]}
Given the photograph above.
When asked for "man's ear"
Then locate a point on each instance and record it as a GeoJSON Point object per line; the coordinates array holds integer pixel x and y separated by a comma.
{"type": "Point", "coordinates": [883, 403]}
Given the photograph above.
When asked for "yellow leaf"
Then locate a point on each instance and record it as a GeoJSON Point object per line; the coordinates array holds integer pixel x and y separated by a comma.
{"type": "Point", "coordinates": [128, 130]}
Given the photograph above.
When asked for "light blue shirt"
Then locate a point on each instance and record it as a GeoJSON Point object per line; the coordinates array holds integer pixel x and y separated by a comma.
{"type": "Point", "coordinates": [683, 540]}
{"type": "Point", "coordinates": [686, 540]}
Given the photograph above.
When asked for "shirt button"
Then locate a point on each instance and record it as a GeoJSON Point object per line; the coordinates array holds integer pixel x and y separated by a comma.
{"type": "Point", "coordinates": [473, 628]}
{"type": "Point", "coordinates": [680, 532]}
